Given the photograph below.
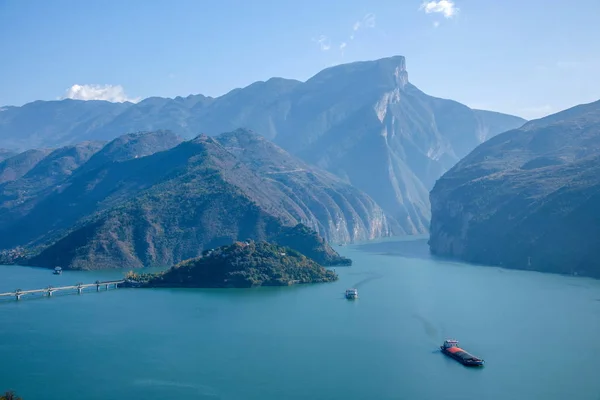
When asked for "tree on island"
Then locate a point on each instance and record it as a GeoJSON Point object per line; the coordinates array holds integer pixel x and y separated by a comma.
{"type": "Point", "coordinates": [10, 395]}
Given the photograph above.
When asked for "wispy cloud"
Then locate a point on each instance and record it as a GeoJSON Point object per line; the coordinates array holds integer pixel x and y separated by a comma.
{"type": "Point", "coordinates": [368, 21]}
{"type": "Point", "coordinates": [436, 24]}
{"type": "Point", "coordinates": [323, 42]}
{"type": "Point", "coordinates": [112, 93]}
{"type": "Point", "coordinates": [445, 7]}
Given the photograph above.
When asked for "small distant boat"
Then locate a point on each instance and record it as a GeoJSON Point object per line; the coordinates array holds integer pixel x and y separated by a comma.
{"type": "Point", "coordinates": [57, 271]}
{"type": "Point", "coordinates": [352, 293]}
{"type": "Point", "coordinates": [451, 349]}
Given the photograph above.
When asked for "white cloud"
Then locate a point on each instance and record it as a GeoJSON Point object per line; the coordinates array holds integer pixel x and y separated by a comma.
{"type": "Point", "coordinates": [446, 7]}
{"type": "Point", "coordinates": [324, 42]}
{"type": "Point", "coordinates": [112, 93]}
{"type": "Point", "coordinates": [368, 21]}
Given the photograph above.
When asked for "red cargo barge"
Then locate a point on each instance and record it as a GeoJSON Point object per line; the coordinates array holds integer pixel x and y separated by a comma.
{"type": "Point", "coordinates": [451, 349]}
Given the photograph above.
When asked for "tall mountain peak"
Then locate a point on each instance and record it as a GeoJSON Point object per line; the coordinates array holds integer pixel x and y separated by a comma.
{"type": "Point", "coordinates": [358, 121]}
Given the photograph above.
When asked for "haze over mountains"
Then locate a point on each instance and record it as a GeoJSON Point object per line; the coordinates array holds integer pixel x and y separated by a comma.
{"type": "Point", "coordinates": [528, 198]}
{"type": "Point", "coordinates": [351, 153]}
{"type": "Point", "coordinates": [364, 122]}
{"type": "Point", "coordinates": [117, 209]}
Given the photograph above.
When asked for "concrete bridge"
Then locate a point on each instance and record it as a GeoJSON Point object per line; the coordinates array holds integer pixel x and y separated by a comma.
{"type": "Point", "coordinates": [51, 289]}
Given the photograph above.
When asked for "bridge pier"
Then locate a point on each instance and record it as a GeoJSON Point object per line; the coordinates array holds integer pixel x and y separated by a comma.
{"type": "Point", "coordinates": [97, 288]}
{"type": "Point", "coordinates": [50, 293]}
{"type": "Point", "coordinates": [106, 286]}
{"type": "Point", "coordinates": [18, 296]}
{"type": "Point", "coordinates": [79, 290]}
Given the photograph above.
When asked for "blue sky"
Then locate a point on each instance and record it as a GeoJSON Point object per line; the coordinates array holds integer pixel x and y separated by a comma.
{"type": "Point", "coordinates": [528, 58]}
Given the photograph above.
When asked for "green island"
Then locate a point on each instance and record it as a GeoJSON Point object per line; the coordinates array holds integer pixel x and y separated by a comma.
{"type": "Point", "coordinates": [239, 265]}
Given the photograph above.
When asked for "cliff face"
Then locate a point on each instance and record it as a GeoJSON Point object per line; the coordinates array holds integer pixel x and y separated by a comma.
{"type": "Point", "coordinates": [322, 201]}
{"type": "Point", "coordinates": [366, 123]}
{"type": "Point", "coordinates": [159, 209]}
{"type": "Point", "coordinates": [527, 198]}
{"type": "Point", "coordinates": [363, 121]}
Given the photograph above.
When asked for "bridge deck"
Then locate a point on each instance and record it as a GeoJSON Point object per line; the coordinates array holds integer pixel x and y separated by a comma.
{"type": "Point", "coordinates": [55, 289]}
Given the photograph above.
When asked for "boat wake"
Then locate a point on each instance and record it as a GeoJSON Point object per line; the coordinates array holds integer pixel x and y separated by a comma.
{"type": "Point", "coordinates": [372, 276]}
{"type": "Point", "coordinates": [430, 329]}
{"type": "Point", "coordinates": [434, 334]}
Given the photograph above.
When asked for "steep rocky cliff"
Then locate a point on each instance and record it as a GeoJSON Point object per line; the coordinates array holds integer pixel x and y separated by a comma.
{"type": "Point", "coordinates": [528, 198]}
{"type": "Point", "coordinates": [332, 207]}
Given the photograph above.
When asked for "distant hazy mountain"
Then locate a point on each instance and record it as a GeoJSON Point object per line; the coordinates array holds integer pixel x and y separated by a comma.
{"type": "Point", "coordinates": [45, 170]}
{"type": "Point", "coordinates": [4, 154]}
{"type": "Point", "coordinates": [37, 174]}
{"type": "Point", "coordinates": [528, 198]}
{"type": "Point", "coordinates": [133, 145]}
{"type": "Point", "coordinates": [56, 123]}
{"type": "Point", "coordinates": [15, 167]}
{"type": "Point", "coordinates": [170, 205]}
{"type": "Point", "coordinates": [362, 121]}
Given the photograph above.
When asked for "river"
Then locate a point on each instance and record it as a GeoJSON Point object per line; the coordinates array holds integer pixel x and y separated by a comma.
{"type": "Point", "coordinates": [539, 334]}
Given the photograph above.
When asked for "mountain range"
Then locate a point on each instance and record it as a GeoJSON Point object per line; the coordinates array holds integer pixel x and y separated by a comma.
{"type": "Point", "coordinates": [152, 199]}
{"type": "Point", "coordinates": [528, 198]}
{"type": "Point", "coordinates": [363, 122]}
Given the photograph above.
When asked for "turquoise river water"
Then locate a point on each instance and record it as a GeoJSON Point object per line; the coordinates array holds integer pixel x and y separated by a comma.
{"type": "Point", "coordinates": [539, 334]}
